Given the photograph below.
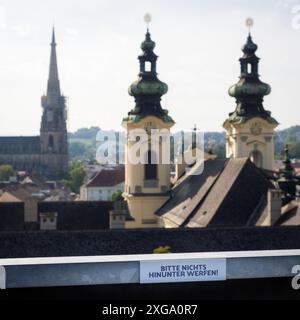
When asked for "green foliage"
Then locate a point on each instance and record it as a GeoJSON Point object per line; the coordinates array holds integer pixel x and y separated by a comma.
{"type": "Point", "coordinates": [295, 150]}
{"type": "Point", "coordinates": [290, 137]}
{"type": "Point", "coordinates": [85, 133]}
{"type": "Point", "coordinates": [117, 196]}
{"type": "Point", "coordinates": [77, 149]}
{"type": "Point", "coordinates": [162, 249]}
{"type": "Point", "coordinates": [75, 176]}
{"type": "Point", "coordinates": [219, 150]}
{"type": "Point", "coordinates": [6, 171]}
{"type": "Point", "coordinates": [82, 143]}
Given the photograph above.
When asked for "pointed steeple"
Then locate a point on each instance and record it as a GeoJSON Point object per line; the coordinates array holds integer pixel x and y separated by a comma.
{"type": "Point", "coordinates": [53, 88]}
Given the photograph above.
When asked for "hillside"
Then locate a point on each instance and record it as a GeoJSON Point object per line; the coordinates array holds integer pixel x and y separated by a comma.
{"type": "Point", "coordinates": [82, 143]}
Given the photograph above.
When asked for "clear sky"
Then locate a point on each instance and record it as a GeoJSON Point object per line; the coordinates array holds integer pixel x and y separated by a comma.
{"type": "Point", "coordinates": [198, 43]}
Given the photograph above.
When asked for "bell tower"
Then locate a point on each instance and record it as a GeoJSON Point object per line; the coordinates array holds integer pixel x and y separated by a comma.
{"type": "Point", "coordinates": [53, 133]}
{"type": "Point", "coordinates": [147, 183]}
{"type": "Point", "coordinates": [250, 128]}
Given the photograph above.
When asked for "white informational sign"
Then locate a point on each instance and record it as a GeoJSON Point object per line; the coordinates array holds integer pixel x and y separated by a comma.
{"type": "Point", "coordinates": [188, 270]}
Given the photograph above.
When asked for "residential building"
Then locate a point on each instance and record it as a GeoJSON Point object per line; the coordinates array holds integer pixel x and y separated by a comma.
{"type": "Point", "coordinates": [104, 184]}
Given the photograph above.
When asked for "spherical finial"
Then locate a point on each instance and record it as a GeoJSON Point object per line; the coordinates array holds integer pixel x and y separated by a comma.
{"type": "Point", "coordinates": [249, 23]}
{"type": "Point", "coordinates": [147, 19]}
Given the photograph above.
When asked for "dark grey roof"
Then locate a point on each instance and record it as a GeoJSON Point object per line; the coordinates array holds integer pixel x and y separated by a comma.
{"type": "Point", "coordinates": [290, 214]}
{"type": "Point", "coordinates": [227, 193]}
{"type": "Point", "coordinates": [11, 216]}
{"type": "Point", "coordinates": [20, 145]}
{"type": "Point", "coordinates": [260, 213]}
{"type": "Point", "coordinates": [139, 241]}
{"type": "Point", "coordinates": [234, 197]}
{"type": "Point", "coordinates": [190, 191]}
{"type": "Point", "coordinates": [79, 215]}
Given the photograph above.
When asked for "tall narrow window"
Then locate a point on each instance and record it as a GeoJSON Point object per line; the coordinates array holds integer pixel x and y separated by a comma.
{"type": "Point", "coordinates": [148, 66]}
{"type": "Point", "coordinates": [50, 115]}
{"type": "Point", "coordinates": [249, 68]}
{"type": "Point", "coordinates": [151, 166]}
{"type": "Point", "coordinates": [50, 142]}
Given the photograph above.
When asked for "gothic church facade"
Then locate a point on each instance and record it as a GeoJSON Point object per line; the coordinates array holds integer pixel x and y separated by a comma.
{"type": "Point", "coordinates": [46, 154]}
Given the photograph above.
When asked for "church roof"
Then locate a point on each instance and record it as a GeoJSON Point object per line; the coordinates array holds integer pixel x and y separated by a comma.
{"type": "Point", "coordinates": [227, 193]}
{"type": "Point", "coordinates": [234, 196]}
{"type": "Point", "coordinates": [20, 145]}
{"type": "Point", "coordinates": [190, 191]}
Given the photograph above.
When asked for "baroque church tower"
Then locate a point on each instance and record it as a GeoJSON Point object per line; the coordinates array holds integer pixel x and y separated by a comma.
{"type": "Point", "coordinates": [53, 133]}
{"type": "Point", "coordinates": [250, 128]}
{"type": "Point", "coordinates": [147, 184]}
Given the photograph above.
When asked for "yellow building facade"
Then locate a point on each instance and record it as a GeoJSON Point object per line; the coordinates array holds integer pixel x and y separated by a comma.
{"type": "Point", "coordinates": [147, 170]}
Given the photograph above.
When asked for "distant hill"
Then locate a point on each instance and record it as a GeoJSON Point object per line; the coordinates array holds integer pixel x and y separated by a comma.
{"type": "Point", "coordinates": [82, 143]}
{"type": "Point", "coordinates": [84, 133]}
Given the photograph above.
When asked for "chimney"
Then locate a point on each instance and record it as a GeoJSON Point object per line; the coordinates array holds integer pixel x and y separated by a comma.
{"type": "Point", "coordinates": [48, 220]}
{"type": "Point", "coordinates": [274, 205]}
{"type": "Point", "coordinates": [117, 216]}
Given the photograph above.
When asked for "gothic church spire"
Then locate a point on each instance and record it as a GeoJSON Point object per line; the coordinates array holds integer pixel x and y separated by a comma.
{"type": "Point", "coordinates": [53, 88]}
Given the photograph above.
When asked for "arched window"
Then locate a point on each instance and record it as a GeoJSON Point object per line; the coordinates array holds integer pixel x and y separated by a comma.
{"type": "Point", "coordinates": [50, 142]}
{"type": "Point", "coordinates": [151, 166]}
{"type": "Point", "coordinates": [257, 158]}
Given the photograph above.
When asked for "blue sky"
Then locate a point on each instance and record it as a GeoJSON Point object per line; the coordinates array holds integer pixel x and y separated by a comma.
{"type": "Point", "coordinates": [198, 43]}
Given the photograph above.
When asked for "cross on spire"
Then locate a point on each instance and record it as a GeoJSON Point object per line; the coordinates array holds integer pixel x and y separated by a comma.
{"type": "Point", "coordinates": [147, 19]}
{"type": "Point", "coordinates": [249, 24]}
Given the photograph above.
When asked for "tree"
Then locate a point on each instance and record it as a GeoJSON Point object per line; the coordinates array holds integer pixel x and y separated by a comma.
{"type": "Point", "coordinates": [6, 171]}
{"type": "Point", "coordinates": [295, 150]}
{"type": "Point", "coordinates": [117, 196]}
{"type": "Point", "coordinates": [77, 149]}
{"type": "Point", "coordinates": [86, 133]}
{"type": "Point", "coordinates": [76, 176]}
{"type": "Point", "coordinates": [219, 150]}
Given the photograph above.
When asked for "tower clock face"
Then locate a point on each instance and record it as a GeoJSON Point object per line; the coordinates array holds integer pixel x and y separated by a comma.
{"type": "Point", "coordinates": [256, 129]}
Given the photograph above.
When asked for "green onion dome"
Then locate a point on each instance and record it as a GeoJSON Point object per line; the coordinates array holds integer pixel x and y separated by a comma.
{"type": "Point", "coordinates": [243, 88]}
{"type": "Point", "coordinates": [144, 87]}
{"type": "Point", "coordinates": [148, 44]}
{"type": "Point", "coordinates": [249, 91]}
{"type": "Point", "coordinates": [249, 47]}
{"type": "Point", "coordinates": [148, 89]}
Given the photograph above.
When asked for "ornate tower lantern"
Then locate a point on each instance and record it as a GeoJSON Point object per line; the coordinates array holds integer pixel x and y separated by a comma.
{"type": "Point", "coordinates": [147, 183]}
{"type": "Point", "coordinates": [250, 128]}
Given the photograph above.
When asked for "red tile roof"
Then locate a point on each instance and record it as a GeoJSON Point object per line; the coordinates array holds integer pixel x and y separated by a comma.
{"type": "Point", "coordinates": [108, 177]}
